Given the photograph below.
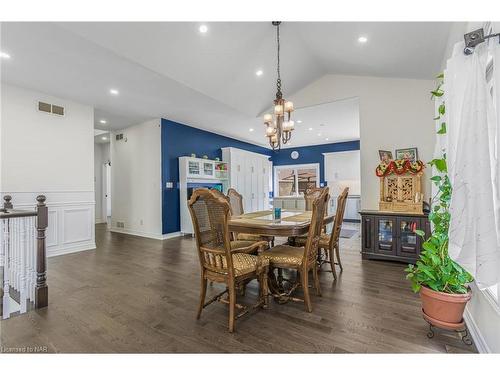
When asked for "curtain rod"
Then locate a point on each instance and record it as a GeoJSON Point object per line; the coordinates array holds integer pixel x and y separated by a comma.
{"type": "Point", "coordinates": [476, 37]}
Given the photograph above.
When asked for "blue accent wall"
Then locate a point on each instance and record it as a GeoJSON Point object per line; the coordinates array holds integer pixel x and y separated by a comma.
{"type": "Point", "coordinates": [312, 154]}
{"type": "Point", "coordinates": [182, 140]}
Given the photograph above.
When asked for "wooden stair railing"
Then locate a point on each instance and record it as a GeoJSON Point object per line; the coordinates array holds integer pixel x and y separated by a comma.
{"type": "Point", "coordinates": [23, 266]}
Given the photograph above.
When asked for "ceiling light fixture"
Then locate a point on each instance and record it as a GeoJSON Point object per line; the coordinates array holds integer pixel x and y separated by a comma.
{"type": "Point", "coordinates": [299, 121]}
{"type": "Point", "coordinates": [103, 121]}
{"type": "Point", "coordinates": [114, 91]}
{"type": "Point", "coordinates": [203, 29]}
{"type": "Point", "coordinates": [104, 138]}
{"type": "Point", "coordinates": [326, 139]}
{"type": "Point", "coordinates": [277, 129]}
{"type": "Point", "coordinates": [259, 72]}
{"type": "Point", "coordinates": [362, 39]}
{"type": "Point", "coordinates": [310, 129]}
{"type": "Point", "coordinates": [251, 129]}
{"type": "Point", "coordinates": [4, 55]}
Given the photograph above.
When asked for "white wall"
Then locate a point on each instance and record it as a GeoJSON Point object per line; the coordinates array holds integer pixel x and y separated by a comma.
{"type": "Point", "coordinates": [53, 155]}
{"type": "Point", "coordinates": [136, 180]}
{"type": "Point", "coordinates": [394, 113]}
{"type": "Point", "coordinates": [101, 156]}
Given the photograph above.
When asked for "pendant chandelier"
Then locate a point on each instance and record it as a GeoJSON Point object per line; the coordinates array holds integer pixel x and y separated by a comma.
{"type": "Point", "coordinates": [279, 130]}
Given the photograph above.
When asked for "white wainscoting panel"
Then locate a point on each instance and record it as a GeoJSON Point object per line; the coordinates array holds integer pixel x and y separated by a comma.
{"type": "Point", "coordinates": [71, 225]}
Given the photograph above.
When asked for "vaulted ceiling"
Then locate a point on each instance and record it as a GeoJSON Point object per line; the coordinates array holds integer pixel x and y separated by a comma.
{"type": "Point", "coordinates": [207, 80]}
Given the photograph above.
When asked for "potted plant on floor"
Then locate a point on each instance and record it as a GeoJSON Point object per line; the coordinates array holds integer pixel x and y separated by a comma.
{"type": "Point", "coordinates": [442, 283]}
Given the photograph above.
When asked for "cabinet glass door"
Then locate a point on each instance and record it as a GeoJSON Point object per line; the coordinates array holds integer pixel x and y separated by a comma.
{"type": "Point", "coordinates": [408, 239]}
{"type": "Point", "coordinates": [194, 168]}
{"type": "Point", "coordinates": [385, 232]}
{"type": "Point", "coordinates": [208, 169]}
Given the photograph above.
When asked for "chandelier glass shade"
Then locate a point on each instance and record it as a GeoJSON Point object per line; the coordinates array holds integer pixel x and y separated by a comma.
{"type": "Point", "coordinates": [279, 126]}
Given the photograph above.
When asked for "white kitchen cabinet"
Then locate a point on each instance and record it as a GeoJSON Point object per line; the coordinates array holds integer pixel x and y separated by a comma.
{"type": "Point", "coordinates": [290, 203]}
{"type": "Point", "coordinates": [249, 174]}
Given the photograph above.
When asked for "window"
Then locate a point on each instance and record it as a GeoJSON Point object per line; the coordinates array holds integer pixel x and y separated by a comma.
{"type": "Point", "coordinates": [293, 180]}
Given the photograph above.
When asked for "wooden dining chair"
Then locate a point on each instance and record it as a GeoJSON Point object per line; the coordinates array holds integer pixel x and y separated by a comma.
{"type": "Point", "coordinates": [310, 194]}
{"type": "Point", "coordinates": [301, 259]}
{"type": "Point", "coordinates": [329, 243]}
{"type": "Point", "coordinates": [219, 262]}
{"type": "Point", "coordinates": [236, 203]}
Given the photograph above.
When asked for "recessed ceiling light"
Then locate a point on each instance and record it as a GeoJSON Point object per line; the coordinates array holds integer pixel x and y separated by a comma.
{"type": "Point", "coordinates": [310, 128]}
{"type": "Point", "coordinates": [103, 121]}
{"type": "Point", "coordinates": [319, 134]}
{"type": "Point", "coordinates": [326, 139]}
{"type": "Point", "coordinates": [259, 72]}
{"type": "Point", "coordinates": [203, 29]}
{"type": "Point", "coordinates": [114, 91]}
{"type": "Point", "coordinates": [251, 129]}
{"type": "Point", "coordinates": [104, 138]}
{"type": "Point", "coordinates": [299, 121]}
{"type": "Point", "coordinates": [4, 55]}
{"type": "Point", "coordinates": [362, 39]}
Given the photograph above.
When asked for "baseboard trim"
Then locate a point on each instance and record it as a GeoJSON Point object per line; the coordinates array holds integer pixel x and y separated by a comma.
{"type": "Point", "coordinates": [71, 249]}
{"type": "Point", "coordinates": [100, 221]}
{"type": "Point", "coordinates": [481, 345]}
{"type": "Point", "coordinates": [136, 233]}
{"type": "Point", "coordinates": [172, 235]}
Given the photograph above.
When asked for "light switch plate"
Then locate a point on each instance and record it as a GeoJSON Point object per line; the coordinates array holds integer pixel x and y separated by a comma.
{"type": "Point", "coordinates": [169, 185]}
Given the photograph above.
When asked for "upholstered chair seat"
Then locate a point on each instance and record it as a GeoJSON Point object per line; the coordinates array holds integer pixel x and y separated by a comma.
{"type": "Point", "coordinates": [245, 263]}
{"type": "Point", "coordinates": [284, 255]}
{"type": "Point", "coordinates": [323, 240]}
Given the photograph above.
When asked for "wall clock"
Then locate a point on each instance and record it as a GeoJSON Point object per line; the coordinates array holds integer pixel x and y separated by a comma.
{"type": "Point", "coordinates": [294, 155]}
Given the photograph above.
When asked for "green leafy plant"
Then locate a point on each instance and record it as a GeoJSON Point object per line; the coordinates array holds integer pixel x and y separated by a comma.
{"type": "Point", "coordinates": [435, 269]}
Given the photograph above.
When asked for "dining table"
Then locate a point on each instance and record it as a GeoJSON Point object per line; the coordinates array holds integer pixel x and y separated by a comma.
{"type": "Point", "coordinates": [292, 223]}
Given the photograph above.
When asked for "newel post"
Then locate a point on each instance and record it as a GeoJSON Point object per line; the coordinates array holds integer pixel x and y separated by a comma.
{"type": "Point", "coordinates": [7, 204]}
{"type": "Point", "coordinates": [41, 291]}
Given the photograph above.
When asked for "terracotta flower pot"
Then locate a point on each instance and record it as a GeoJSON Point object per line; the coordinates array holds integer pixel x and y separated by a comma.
{"type": "Point", "coordinates": [444, 309]}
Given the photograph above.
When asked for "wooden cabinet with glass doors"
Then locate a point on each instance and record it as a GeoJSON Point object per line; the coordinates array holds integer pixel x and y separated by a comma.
{"type": "Point", "coordinates": [391, 236]}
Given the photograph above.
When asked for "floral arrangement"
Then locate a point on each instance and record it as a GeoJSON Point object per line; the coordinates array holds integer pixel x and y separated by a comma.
{"type": "Point", "coordinates": [399, 167]}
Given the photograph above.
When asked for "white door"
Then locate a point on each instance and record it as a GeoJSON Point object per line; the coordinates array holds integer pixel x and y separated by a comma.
{"type": "Point", "coordinates": [107, 193]}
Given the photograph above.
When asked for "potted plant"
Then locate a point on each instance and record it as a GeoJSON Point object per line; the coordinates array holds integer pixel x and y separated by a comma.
{"type": "Point", "coordinates": [442, 283]}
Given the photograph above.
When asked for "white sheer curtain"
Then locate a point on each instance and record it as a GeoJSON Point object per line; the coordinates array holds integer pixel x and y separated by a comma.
{"type": "Point", "coordinates": [471, 146]}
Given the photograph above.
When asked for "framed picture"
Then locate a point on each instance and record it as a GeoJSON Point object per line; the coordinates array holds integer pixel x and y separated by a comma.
{"type": "Point", "coordinates": [407, 153]}
{"type": "Point", "coordinates": [385, 156]}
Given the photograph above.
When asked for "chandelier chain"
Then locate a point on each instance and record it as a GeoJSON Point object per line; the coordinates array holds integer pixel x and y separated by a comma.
{"type": "Point", "coordinates": [278, 81]}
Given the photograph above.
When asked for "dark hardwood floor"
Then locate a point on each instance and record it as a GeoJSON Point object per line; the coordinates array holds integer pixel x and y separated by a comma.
{"type": "Point", "coordinates": [133, 294]}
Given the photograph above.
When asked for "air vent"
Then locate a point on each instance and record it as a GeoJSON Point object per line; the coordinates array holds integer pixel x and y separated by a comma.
{"type": "Point", "coordinates": [44, 107]}
{"type": "Point", "coordinates": [51, 108]}
{"type": "Point", "coordinates": [119, 137]}
{"type": "Point", "coordinates": [57, 110]}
